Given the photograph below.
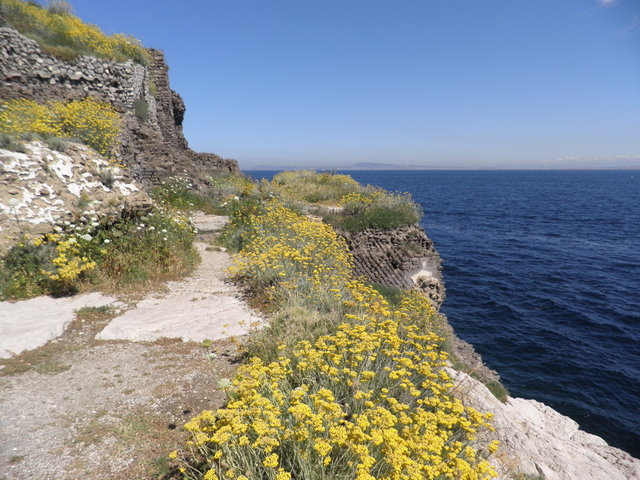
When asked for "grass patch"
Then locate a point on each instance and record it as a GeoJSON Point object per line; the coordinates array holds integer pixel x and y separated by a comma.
{"type": "Point", "coordinates": [392, 295]}
{"type": "Point", "coordinates": [46, 359]}
{"type": "Point", "coordinates": [52, 358]}
{"type": "Point", "coordinates": [90, 314]}
{"type": "Point", "coordinates": [141, 109]}
{"type": "Point", "coordinates": [314, 187]}
{"type": "Point", "coordinates": [342, 202]}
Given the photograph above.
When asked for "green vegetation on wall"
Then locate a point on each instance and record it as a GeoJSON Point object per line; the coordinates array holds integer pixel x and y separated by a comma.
{"type": "Point", "coordinates": [65, 36]}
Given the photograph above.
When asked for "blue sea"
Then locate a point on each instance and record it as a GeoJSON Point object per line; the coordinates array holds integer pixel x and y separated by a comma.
{"type": "Point", "coordinates": [542, 272]}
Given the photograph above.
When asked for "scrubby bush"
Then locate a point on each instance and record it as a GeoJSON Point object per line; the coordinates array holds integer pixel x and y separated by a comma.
{"type": "Point", "coordinates": [95, 123]}
{"type": "Point", "coordinates": [56, 143]}
{"type": "Point", "coordinates": [378, 209]}
{"type": "Point", "coordinates": [130, 252]}
{"type": "Point", "coordinates": [64, 35]}
{"type": "Point", "coordinates": [11, 142]}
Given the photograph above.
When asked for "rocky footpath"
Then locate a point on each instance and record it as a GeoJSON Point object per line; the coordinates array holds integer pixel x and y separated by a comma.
{"type": "Point", "coordinates": [43, 190]}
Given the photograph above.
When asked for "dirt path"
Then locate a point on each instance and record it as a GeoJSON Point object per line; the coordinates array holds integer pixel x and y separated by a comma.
{"type": "Point", "coordinates": [83, 407]}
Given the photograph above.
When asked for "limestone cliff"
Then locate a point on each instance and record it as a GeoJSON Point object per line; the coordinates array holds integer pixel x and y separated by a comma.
{"type": "Point", "coordinates": [153, 146]}
{"type": "Point", "coordinates": [43, 190]}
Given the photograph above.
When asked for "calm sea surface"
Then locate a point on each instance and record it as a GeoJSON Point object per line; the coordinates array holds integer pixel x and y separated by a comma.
{"type": "Point", "coordinates": [542, 271]}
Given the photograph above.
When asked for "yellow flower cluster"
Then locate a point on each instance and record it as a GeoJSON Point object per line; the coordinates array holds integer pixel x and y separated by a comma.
{"type": "Point", "coordinates": [24, 115]}
{"type": "Point", "coordinates": [96, 123]}
{"type": "Point", "coordinates": [290, 251]}
{"type": "Point", "coordinates": [57, 27]}
{"type": "Point", "coordinates": [369, 401]}
{"type": "Point", "coordinates": [69, 263]}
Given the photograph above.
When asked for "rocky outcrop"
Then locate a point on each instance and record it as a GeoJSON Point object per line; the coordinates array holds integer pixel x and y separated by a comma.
{"type": "Point", "coordinates": [153, 145]}
{"type": "Point", "coordinates": [404, 258]}
{"type": "Point", "coordinates": [537, 441]}
{"type": "Point", "coordinates": [43, 190]}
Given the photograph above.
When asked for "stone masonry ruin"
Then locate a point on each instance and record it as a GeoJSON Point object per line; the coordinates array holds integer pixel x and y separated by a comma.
{"type": "Point", "coordinates": [153, 148]}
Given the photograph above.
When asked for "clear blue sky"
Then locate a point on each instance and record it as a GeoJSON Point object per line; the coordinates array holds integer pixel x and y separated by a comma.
{"type": "Point", "coordinates": [459, 83]}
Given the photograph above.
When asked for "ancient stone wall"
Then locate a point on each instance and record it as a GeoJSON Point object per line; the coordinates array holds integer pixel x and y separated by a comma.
{"type": "Point", "coordinates": [27, 72]}
{"type": "Point", "coordinates": [403, 257]}
{"type": "Point", "coordinates": [153, 148]}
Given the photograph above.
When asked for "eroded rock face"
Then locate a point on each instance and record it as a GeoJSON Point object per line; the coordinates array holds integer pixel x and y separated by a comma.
{"type": "Point", "coordinates": [538, 441]}
{"type": "Point", "coordinates": [403, 257]}
{"type": "Point", "coordinates": [43, 188]}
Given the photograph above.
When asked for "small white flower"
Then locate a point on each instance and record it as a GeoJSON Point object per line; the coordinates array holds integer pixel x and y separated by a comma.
{"type": "Point", "coordinates": [95, 224]}
{"type": "Point", "coordinates": [86, 237]}
{"type": "Point", "coordinates": [224, 383]}
{"type": "Point", "coordinates": [164, 238]}
{"type": "Point", "coordinates": [139, 228]}
{"type": "Point", "coordinates": [57, 229]}
{"type": "Point", "coordinates": [152, 227]}
{"type": "Point", "coordinates": [164, 230]}
{"type": "Point", "coordinates": [236, 197]}
{"type": "Point", "coordinates": [73, 240]}
{"type": "Point", "coordinates": [13, 202]}
{"type": "Point", "coordinates": [106, 240]}
{"type": "Point", "coordinates": [67, 223]}
{"type": "Point", "coordinates": [142, 225]}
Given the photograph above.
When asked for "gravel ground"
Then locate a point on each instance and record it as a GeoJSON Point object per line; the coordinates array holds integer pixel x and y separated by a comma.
{"type": "Point", "coordinates": [82, 408]}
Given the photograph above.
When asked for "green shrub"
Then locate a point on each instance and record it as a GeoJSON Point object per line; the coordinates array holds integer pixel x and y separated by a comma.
{"type": "Point", "coordinates": [11, 142]}
{"type": "Point", "coordinates": [56, 143]}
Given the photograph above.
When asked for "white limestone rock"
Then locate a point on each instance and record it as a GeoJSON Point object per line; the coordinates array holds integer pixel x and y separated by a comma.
{"type": "Point", "coordinates": [537, 440]}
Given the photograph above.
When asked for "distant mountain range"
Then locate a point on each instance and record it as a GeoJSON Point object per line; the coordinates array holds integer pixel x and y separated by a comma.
{"type": "Point", "coordinates": [394, 166]}
{"type": "Point", "coordinates": [353, 166]}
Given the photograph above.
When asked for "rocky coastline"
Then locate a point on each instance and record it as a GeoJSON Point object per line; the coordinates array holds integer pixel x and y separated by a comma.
{"type": "Point", "coordinates": [536, 441]}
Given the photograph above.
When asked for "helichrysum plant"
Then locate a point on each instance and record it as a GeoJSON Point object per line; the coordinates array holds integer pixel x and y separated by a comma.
{"type": "Point", "coordinates": [95, 123]}
{"type": "Point", "coordinates": [369, 400]}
